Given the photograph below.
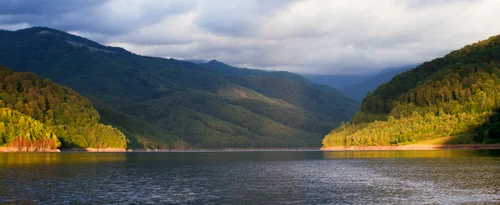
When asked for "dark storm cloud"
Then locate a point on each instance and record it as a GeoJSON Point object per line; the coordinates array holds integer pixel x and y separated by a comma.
{"type": "Point", "coordinates": [53, 13]}
{"type": "Point", "coordinates": [91, 16]}
{"type": "Point", "coordinates": [307, 36]}
{"type": "Point", "coordinates": [45, 8]}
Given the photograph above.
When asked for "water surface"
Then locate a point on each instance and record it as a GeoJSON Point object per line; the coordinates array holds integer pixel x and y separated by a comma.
{"type": "Point", "coordinates": [291, 177]}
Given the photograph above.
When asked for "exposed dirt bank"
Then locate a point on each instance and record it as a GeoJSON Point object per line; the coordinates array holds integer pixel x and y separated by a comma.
{"type": "Point", "coordinates": [94, 150]}
{"type": "Point", "coordinates": [12, 149]}
{"type": "Point", "coordinates": [405, 147]}
{"type": "Point", "coordinates": [112, 150]}
{"type": "Point", "coordinates": [417, 147]}
{"type": "Point", "coordinates": [189, 150]}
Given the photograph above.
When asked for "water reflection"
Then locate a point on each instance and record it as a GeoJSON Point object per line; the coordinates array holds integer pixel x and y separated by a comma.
{"type": "Point", "coordinates": [186, 158]}
{"type": "Point", "coordinates": [409, 154]}
{"type": "Point", "coordinates": [364, 177]}
{"type": "Point", "coordinates": [58, 158]}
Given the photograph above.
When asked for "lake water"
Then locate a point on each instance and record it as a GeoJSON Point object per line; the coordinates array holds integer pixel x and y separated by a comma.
{"type": "Point", "coordinates": [279, 177]}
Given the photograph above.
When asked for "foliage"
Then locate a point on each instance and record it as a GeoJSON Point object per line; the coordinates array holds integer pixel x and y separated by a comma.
{"type": "Point", "coordinates": [23, 132]}
{"type": "Point", "coordinates": [156, 101]}
{"type": "Point", "coordinates": [69, 115]}
{"type": "Point", "coordinates": [453, 95]}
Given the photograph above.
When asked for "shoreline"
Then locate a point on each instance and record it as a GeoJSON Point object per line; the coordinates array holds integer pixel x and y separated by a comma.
{"type": "Point", "coordinates": [11, 149]}
{"type": "Point", "coordinates": [188, 150]}
{"type": "Point", "coordinates": [94, 150]}
{"type": "Point", "coordinates": [339, 148]}
{"type": "Point", "coordinates": [416, 147]}
{"type": "Point", "coordinates": [123, 150]}
{"type": "Point", "coordinates": [28, 150]}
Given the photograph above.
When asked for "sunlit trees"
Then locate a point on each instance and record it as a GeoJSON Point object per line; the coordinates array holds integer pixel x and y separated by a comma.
{"type": "Point", "coordinates": [453, 95]}
{"type": "Point", "coordinates": [24, 133]}
{"type": "Point", "coordinates": [156, 101]}
{"type": "Point", "coordinates": [45, 107]}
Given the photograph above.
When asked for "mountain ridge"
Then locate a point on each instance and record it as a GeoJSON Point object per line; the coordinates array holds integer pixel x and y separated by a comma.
{"type": "Point", "coordinates": [157, 101]}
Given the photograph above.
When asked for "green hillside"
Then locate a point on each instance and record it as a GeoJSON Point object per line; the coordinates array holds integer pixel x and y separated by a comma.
{"type": "Point", "coordinates": [37, 110]}
{"type": "Point", "coordinates": [456, 95]}
{"type": "Point", "coordinates": [292, 88]}
{"type": "Point", "coordinates": [22, 132]}
{"type": "Point", "coordinates": [160, 102]}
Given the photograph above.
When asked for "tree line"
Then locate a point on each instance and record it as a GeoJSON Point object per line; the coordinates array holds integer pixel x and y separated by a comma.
{"type": "Point", "coordinates": [454, 95]}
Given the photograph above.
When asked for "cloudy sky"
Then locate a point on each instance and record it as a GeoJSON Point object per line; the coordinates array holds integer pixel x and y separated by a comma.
{"type": "Point", "coordinates": [305, 36]}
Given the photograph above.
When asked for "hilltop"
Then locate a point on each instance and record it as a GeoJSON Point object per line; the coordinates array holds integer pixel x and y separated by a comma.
{"type": "Point", "coordinates": [37, 114]}
{"type": "Point", "coordinates": [160, 102]}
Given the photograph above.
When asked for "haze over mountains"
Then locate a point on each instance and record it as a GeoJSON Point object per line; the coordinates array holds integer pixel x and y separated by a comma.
{"type": "Point", "coordinates": [353, 86]}
{"type": "Point", "coordinates": [357, 86]}
{"type": "Point", "coordinates": [359, 90]}
{"type": "Point", "coordinates": [158, 102]}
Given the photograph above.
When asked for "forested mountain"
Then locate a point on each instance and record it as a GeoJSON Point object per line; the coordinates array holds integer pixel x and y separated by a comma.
{"type": "Point", "coordinates": [33, 111]}
{"type": "Point", "coordinates": [166, 102]}
{"type": "Point", "coordinates": [359, 90]}
{"type": "Point", "coordinates": [227, 70]}
{"type": "Point", "coordinates": [288, 86]}
{"type": "Point", "coordinates": [195, 61]}
{"type": "Point", "coordinates": [456, 95]}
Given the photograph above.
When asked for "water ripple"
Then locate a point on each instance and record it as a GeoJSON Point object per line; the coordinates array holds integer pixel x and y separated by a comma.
{"type": "Point", "coordinates": [252, 178]}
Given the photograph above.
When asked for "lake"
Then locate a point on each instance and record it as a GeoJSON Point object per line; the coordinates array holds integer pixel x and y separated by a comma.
{"type": "Point", "coordinates": [259, 177]}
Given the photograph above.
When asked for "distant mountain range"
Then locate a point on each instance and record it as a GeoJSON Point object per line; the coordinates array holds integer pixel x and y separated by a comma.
{"type": "Point", "coordinates": [336, 81]}
{"type": "Point", "coordinates": [357, 86]}
{"type": "Point", "coordinates": [159, 102]}
{"type": "Point", "coordinates": [359, 90]}
{"type": "Point", "coordinates": [353, 86]}
{"type": "Point", "coordinates": [196, 61]}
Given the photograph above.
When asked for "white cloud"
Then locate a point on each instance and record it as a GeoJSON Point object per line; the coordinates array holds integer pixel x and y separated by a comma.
{"type": "Point", "coordinates": [13, 27]}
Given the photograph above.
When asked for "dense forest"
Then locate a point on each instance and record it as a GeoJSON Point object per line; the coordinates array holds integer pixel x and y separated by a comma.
{"type": "Point", "coordinates": [291, 88]}
{"type": "Point", "coordinates": [159, 103]}
{"type": "Point", "coordinates": [37, 110]}
{"type": "Point", "coordinates": [24, 133]}
{"type": "Point", "coordinates": [456, 95]}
